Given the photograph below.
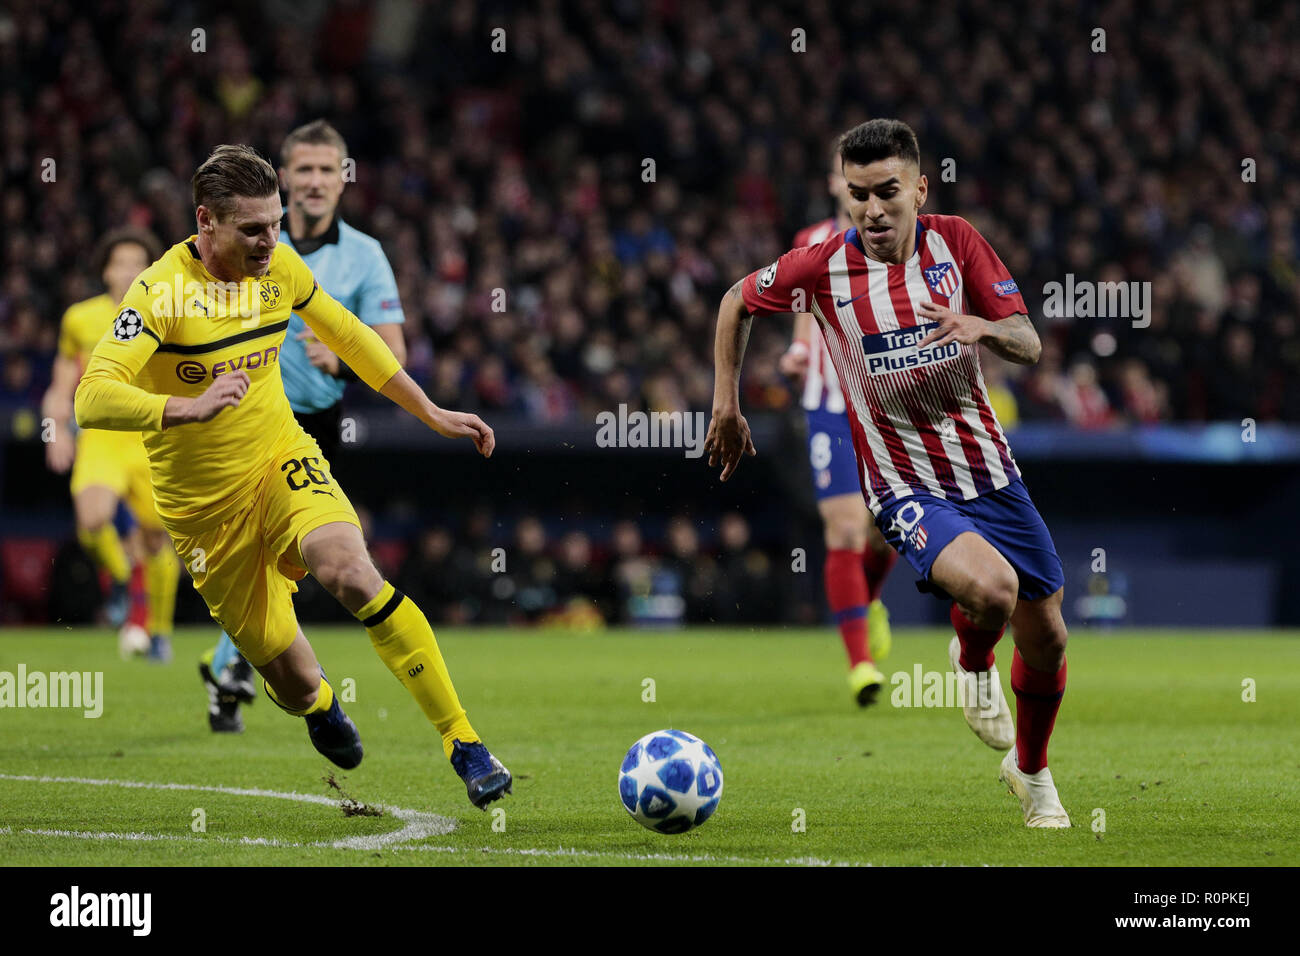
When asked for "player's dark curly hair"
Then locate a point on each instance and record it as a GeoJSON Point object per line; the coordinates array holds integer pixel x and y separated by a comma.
{"type": "Point", "coordinates": [232, 172]}
{"type": "Point", "coordinates": [879, 139]}
{"type": "Point", "coordinates": [141, 237]}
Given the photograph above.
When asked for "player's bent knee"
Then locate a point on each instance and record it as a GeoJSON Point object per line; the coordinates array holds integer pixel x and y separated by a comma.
{"type": "Point", "coordinates": [297, 691]}
{"type": "Point", "coordinates": [845, 536]}
{"type": "Point", "coordinates": [91, 521]}
{"type": "Point", "coordinates": [995, 597]}
{"type": "Point", "coordinates": [1054, 640]}
{"type": "Point", "coordinates": [349, 578]}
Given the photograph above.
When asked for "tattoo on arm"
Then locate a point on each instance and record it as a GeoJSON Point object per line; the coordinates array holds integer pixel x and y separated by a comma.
{"type": "Point", "coordinates": [742, 333]}
{"type": "Point", "coordinates": [737, 292]}
{"type": "Point", "coordinates": [1015, 340]}
{"type": "Point", "coordinates": [734, 322]}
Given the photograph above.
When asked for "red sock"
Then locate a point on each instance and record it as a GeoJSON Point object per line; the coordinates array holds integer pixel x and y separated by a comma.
{"type": "Point", "coordinates": [846, 592]}
{"type": "Point", "coordinates": [976, 645]}
{"type": "Point", "coordinates": [139, 608]}
{"type": "Point", "coordinates": [877, 567]}
{"type": "Point", "coordinates": [1038, 698]}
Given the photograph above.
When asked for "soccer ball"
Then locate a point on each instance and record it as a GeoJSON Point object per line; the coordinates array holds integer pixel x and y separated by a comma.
{"type": "Point", "coordinates": [132, 641]}
{"type": "Point", "coordinates": [670, 781]}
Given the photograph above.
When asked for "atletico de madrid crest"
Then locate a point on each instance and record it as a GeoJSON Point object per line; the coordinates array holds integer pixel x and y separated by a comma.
{"type": "Point", "coordinates": [942, 278]}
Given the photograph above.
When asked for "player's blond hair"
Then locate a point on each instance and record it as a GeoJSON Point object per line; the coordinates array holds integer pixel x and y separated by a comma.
{"type": "Point", "coordinates": [316, 133]}
{"type": "Point", "coordinates": [232, 172]}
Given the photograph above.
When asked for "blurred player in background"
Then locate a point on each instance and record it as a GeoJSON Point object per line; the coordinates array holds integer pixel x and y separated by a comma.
{"type": "Point", "coordinates": [111, 467]}
{"type": "Point", "coordinates": [350, 266]}
{"type": "Point", "coordinates": [940, 478]}
{"type": "Point", "coordinates": [857, 556]}
{"type": "Point", "coordinates": [244, 492]}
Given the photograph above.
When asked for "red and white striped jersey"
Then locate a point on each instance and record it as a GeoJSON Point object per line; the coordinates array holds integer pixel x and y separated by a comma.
{"type": "Point", "coordinates": [821, 386]}
{"type": "Point", "coordinates": [921, 418]}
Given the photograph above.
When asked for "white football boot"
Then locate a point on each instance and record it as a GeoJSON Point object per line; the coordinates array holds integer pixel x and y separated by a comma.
{"type": "Point", "coordinates": [1037, 793]}
{"type": "Point", "coordinates": [983, 703]}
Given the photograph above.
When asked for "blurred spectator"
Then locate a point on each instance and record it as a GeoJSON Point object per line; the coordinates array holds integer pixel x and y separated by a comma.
{"type": "Point", "coordinates": [547, 273]}
{"type": "Point", "coordinates": [441, 578]}
{"type": "Point", "coordinates": [694, 570]}
{"type": "Point", "coordinates": [746, 591]}
{"type": "Point", "coordinates": [1001, 397]}
{"type": "Point", "coordinates": [1084, 402]}
{"type": "Point", "coordinates": [578, 578]}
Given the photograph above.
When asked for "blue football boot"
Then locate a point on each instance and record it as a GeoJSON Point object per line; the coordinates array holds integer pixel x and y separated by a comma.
{"type": "Point", "coordinates": [335, 735]}
{"type": "Point", "coordinates": [485, 777]}
{"type": "Point", "coordinates": [118, 605]}
{"type": "Point", "coordinates": [332, 733]}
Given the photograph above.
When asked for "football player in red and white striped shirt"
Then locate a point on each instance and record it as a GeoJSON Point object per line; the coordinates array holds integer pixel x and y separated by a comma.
{"type": "Point", "coordinates": [857, 556]}
{"type": "Point", "coordinates": [903, 301]}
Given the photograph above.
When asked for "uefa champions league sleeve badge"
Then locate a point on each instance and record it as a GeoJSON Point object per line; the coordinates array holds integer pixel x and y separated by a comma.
{"type": "Point", "coordinates": [128, 324]}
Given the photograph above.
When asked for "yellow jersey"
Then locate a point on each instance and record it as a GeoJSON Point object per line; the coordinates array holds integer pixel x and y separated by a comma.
{"type": "Point", "coordinates": [83, 325]}
{"type": "Point", "coordinates": [177, 329]}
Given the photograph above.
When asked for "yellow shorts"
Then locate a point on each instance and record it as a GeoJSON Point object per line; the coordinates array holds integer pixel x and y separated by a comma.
{"type": "Point", "coordinates": [246, 568]}
{"type": "Point", "coordinates": [117, 461]}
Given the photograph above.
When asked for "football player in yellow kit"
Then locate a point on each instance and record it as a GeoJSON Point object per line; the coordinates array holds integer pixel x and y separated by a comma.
{"type": "Point", "coordinates": [111, 466]}
{"type": "Point", "coordinates": [244, 492]}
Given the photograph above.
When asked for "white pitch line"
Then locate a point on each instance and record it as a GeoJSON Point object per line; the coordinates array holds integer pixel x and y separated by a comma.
{"type": "Point", "coordinates": [455, 850]}
{"type": "Point", "coordinates": [418, 826]}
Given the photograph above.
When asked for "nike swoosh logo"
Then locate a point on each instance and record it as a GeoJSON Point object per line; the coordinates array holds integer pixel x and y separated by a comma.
{"type": "Point", "coordinates": [841, 303]}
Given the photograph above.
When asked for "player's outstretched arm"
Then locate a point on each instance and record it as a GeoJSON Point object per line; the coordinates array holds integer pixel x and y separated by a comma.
{"type": "Point", "coordinates": [401, 390]}
{"type": "Point", "coordinates": [57, 405]}
{"type": "Point", "coordinates": [1012, 338]}
{"type": "Point", "coordinates": [728, 438]}
{"type": "Point", "coordinates": [366, 353]}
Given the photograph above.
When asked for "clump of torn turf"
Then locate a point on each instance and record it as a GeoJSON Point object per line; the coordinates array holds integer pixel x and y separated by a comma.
{"type": "Point", "coordinates": [350, 806]}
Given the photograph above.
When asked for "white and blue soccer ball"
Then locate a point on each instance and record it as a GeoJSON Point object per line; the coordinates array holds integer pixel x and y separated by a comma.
{"type": "Point", "coordinates": [670, 781]}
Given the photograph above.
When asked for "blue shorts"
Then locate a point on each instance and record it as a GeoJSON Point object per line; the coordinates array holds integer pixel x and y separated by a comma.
{"type": "Point", "coordinates": [920, 526]}
{"type": "Point", "coordinates": [123, 520]}
{"type": "Point", "coordinates": [831, 453]}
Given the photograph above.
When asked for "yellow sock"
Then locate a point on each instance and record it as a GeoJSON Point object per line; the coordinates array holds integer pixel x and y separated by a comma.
{"type": "Point", "coordinates": [161, 578]}
{"type": "Point", "coordinates": [105, 549]}
{"type": "Point", "coordinates": [324, 699]}
{"type": "Point", "coordinates": [404, 641]}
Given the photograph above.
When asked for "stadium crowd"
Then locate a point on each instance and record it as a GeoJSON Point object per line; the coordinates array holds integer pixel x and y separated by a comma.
{"type": "Point", "coordinates": [565, 201]}
{"type": "Point", "coordinates": [523, 170]}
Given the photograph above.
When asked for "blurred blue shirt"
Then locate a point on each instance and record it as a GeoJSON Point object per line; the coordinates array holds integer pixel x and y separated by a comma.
{"type": "Point", "coordinates": [351, 267]}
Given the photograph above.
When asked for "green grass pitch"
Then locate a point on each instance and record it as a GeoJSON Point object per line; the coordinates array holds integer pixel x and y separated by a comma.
{"type": "Point", "coordinates": [1154, 734]}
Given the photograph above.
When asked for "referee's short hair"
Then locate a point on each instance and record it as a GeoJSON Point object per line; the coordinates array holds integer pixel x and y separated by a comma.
{"type": "Point", "coordinates": [316, 133]}
{"type": "Point", "coordinates": [137, 235]}
{"type": "Point", "coordinates": [232, 172]}
{"type": "Point", "coordinates": [879, 139]}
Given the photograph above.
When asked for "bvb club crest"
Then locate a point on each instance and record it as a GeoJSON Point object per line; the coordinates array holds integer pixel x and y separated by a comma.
{"type": "Point", "coordinates": [270, 293]}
